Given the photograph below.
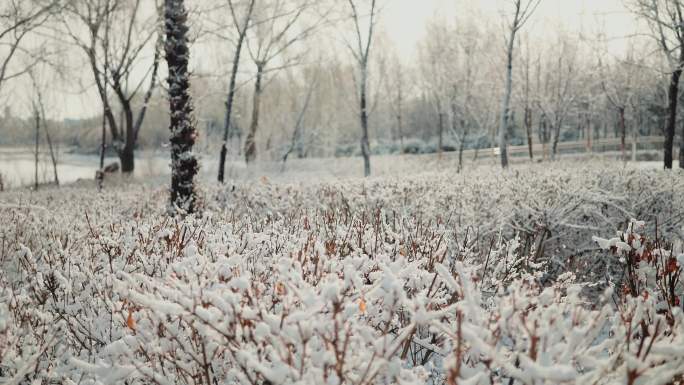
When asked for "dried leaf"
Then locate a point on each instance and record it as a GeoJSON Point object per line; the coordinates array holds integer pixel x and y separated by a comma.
{"type": "Point", "coordinates": [130, 321]}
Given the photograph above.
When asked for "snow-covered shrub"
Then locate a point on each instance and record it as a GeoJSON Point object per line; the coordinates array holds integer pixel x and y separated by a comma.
{"type": "Point", "coordinates": [344, 283]}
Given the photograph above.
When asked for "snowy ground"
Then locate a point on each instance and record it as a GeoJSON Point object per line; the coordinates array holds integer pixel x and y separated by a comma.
{"type": "Point", "coordinates": [316, 276]}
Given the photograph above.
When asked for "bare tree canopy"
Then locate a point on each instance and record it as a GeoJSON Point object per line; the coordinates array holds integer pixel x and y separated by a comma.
{"type": "Point", "coordinates": [18, 18]}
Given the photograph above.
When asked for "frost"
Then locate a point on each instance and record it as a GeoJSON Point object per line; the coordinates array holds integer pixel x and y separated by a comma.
{"type": "Point", "coordinates": [361, 282]}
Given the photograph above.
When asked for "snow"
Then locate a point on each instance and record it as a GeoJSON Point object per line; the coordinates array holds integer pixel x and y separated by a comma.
{"type": "Point", "coordinates": [520, 274]}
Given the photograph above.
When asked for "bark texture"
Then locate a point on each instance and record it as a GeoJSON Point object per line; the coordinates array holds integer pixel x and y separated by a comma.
{"type": "Point", "coordinates": [184, 165]}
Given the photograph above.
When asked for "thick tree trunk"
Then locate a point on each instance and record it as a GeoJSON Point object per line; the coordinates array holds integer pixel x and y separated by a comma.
{"type": "Point", "coordinates": [231, 94]}
{"type": "Point", "coordinates": [365, 144]}
{"type": "Point", "coordinates": [126, 153]}
{"type": "Point", "coordinates": [127, 159]}
{"type": "Point", "coordinates": [672, 96]}
{"type": "Point", "coordinates": [184, 165]}
{"type": "Point", "coordinates": [250, 141]}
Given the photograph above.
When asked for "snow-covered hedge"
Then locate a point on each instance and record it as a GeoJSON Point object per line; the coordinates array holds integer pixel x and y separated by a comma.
{"type": "Point", "coordinates": [439, 278]}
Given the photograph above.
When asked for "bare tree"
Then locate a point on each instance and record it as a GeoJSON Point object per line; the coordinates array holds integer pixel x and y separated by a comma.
{"type": "Point", "coordinates": [523, 10]}
{"type": "Point", "coordinates": [396, 90]}
{"type": "Point", "coordinates": [618, 95]}
{"type": "Point", "coordinates": [274, 33]}
{"type": "Point", "coordinates": [184, 165]}
{"type": "Point", "coordinates": [241, 25]}
{"type": "Point", "coordinates": [36, 153]}
{"type": "Point", "coordinates": [469, 44]}
{"type": "Point", "coordinates": [120, 31]}
{"type": "Point", "coordinates": [38, 107]}
{"type": "Point", "coordinates": [437, 60]}
{"type": "Point", "coordinates": [527, 107]}
{"type": "Point", "coordinates": [361, 52]}
{"type": "Point", "coordinates": [666, 18]}
{"type": "Point", "coordinates": [295, 140]}
{"type": "Point", "coordinates": [562, 98]}
{"type": "Point", "coordinates": [17, 19]}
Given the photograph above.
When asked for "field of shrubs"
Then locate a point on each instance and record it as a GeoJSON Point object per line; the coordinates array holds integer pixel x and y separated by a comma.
{"type": "Point", "coordinates": [543, 274]}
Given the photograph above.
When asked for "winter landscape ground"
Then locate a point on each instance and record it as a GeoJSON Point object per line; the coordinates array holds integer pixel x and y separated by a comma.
{"type": "Point", "coordinates": [557, 273]}
{"type": "Point", "coordinates": [341, 192]}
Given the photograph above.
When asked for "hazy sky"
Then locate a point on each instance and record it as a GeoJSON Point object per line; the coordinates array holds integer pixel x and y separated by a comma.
{"type": "Point", "coordinates": [404, 23]}
{"type": "Point", "coordinates": [405, 20]}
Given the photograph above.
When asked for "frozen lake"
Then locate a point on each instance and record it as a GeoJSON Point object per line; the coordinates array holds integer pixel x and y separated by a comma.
{"type": "Point", "coordinates": [17, 166]}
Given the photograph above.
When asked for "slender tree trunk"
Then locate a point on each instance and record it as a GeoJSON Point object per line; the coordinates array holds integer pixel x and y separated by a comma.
{"type": "Point", "coordinates": [503, 128]}
{"type": "Point", "coordinates": [298, 125]}
{"type": "Point", "coordinates": [184, 165]}
{"type": "Point", "coordinates": [681, 149]}
{"type": "Point", "coordinates": [400, 129]}
{"type": "Point", "coordinates": [589, 133]}
{"type": "Point", "coordinates": [41, 115]}
{"type": "Point", "coordinates": [461, 145]}
{"type": "Point", "coordinates": [556, 137]}
{"type": "Point", "coordinates": [103, 147]}
{"type": "Point", "coordinates": [53, 158]}
{"type": "Point", "coordinates": [440, 135]}
{"type": "Point", "coordinates": [36, 154]}
{"type": "Point", "coordinates": [250, 143]}
{"type": "Point", "coordinates": [528, 130]}
{"type": "Point", "coordinates": [672, 96]}
{"type": "Point", "coordinates": [400, 132]}
{"type": "Point", "coordinates": [623, 132]}
{"type": "Point", "coordinates": [634, 140]}
{"type": "Point", "coordinates": [231, 94]}
{"type": "Point", "coordinates": [544, 136]}
{"type": "Point", "coordinates": [365, 144]}
{"type": "Point", "coordinates": [103, 143]}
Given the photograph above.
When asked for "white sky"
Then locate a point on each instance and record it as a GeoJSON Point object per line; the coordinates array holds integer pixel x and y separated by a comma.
{"type": "Point", "coordinates": [404, 23]}
{"type": "Point", "coordinates": [405, 20]}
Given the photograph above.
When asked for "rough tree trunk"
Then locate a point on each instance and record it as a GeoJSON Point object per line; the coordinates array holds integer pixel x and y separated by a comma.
{"type": "Point", "coordinates": [672, 96]}
{"type": "Point", "coordinates": [184, 165]}
{"type": "Point", "coordinates": [250, 143]}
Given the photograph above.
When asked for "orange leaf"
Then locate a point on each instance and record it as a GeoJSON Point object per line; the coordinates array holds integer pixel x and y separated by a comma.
{"type": "Point", "coordinates": [362, 305]}
{"type": "Point", "coordinates": [130, 322]}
